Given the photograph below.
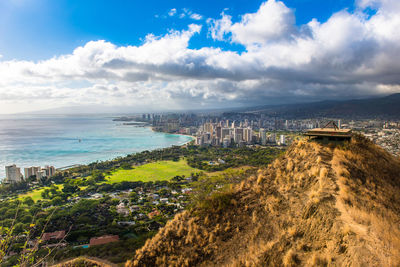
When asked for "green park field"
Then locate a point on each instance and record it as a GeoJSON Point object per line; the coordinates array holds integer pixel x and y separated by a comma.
{"type": "Point", "coordinates": [155, 171]}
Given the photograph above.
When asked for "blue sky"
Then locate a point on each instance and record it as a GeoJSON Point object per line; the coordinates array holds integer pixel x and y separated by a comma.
{"type": "Point", "coordinates": [40, 29]}
{"type": "Point", "coordinates": [135, 56]}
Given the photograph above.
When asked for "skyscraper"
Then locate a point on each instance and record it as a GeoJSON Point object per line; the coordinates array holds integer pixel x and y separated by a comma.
{"type": "Point", "coordinates": [248, 133]}
{"type": "Point", "coordinates": [238, 135]}
{"type": "Point", "coordinates": [263, 136]}
{"type": "Point", "coordinates": [218, 131]}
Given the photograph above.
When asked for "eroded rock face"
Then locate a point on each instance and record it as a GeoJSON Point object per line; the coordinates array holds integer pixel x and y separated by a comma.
{"type": "Point", "coordinates": [317, 205]}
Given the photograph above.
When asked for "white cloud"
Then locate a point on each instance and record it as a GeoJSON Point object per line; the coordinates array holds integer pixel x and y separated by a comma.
{"type": "Point", "coordinates": [196, 16]}
{"type": "Point", "coordinates": [273, 21]}
{"type": "Point", "coordinates": [172, 12]}
{"type": "Point", "coordinates": [187, 13]}
{"type": "Point", "coordinates": [219, 28]}
{"type": "Point", "coordinates": [349, 55]}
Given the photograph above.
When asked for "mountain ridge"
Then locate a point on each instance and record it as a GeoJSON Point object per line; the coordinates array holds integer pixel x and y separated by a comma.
{"type": "Point", "coordinates": [317, 205]}
{"type": "Point", "coordinates": [381, 107]}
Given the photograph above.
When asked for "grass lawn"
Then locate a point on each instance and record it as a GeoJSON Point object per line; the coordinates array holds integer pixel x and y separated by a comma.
{"type": "Point", "coordinates": [155, 171]}
{"type": "Point", "coordinates": [36, 194]}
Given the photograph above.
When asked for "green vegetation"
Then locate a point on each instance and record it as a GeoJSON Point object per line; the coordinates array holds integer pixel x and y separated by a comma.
{"type": "Point", "coordinates": [131, 197]}
{"type": "Point", "coordinates": [37, 193]}
{"type": "Point", "coordinates": [155, 171]}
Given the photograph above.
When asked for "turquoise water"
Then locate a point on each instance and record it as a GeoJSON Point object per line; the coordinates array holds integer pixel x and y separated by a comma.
{"type": "Point", "coordinates": [54, 140]}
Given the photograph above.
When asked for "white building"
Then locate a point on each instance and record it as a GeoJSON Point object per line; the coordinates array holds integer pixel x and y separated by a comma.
{"type": "Point", "coordinates": [28, 172]}
{"type": "Point", "coordinates": [282, 140]}
{"type": "Point", "coordinates": [248, 134]}
{"type": "Point", "coordinates": [49, 170]}
{"type": "Point", "coordinates": [13, 174]}
{"type": "Point", "coordinates": [237, 135]}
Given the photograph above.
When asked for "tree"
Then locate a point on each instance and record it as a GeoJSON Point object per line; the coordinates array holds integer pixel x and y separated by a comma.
{"type": "Point", "coordinates": [27, 218]}
{"type": "Point", "coordinates": [126, 166]}
{"type": "Point", "coordinates": [45, 193]}
{"type": "Point", "coordinates": [28, 201]}
{"type": "Point", "coordinates": [70, 189]}
{"type": "Point", "coordinates": [133, 196]}
{"type": "Point", "coordinates": [56, 201]}
{"type": "Point", "coordinates": [97, 175]}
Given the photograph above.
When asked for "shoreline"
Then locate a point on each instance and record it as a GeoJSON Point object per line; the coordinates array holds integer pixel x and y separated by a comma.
{"type": "Point", "coordinates": [188, 135]}
{"type": "Point", "coordinates": [112, 157]}
{"type": "Point", "coordinates": [193, 138]}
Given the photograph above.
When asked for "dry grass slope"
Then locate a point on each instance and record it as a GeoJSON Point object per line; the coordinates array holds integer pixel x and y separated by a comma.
{"type": "Point", "coordinates": [315, 206]}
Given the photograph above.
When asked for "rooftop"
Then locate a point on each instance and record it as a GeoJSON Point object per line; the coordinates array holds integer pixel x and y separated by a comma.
{"type": "Point", "coordinates": [53, 235]}
{"type": "Point", "coordinates": [103, 240]}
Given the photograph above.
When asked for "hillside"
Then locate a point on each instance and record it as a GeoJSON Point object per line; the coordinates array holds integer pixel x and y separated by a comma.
{"type": "Point", "coordinates": [315, 206]}
{"type": "Point", "coordinates": [382, 107]}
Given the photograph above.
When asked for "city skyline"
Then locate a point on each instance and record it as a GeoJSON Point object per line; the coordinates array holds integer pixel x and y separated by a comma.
{"type": "Point", "coordinates": [176, 56]}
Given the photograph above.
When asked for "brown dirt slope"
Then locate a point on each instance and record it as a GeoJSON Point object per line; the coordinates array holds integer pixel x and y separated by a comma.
{"type": "Point", "coordinates": [85, 262]}
{"type": "Point", "coordinates": [317, 205]}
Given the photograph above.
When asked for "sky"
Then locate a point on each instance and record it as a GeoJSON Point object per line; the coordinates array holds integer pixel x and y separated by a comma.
{"type": "Point", "coordinates": [157, 55]}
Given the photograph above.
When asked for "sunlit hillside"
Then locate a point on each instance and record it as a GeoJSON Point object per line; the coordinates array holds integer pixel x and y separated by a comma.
{"type": "Point", "coordinates": [318, 205]}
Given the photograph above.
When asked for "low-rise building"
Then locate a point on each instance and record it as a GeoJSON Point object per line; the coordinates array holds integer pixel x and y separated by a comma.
{"type": "Point", "coordinates": [58, 235]}
{"type": "Point", "coordinates": [94, 241]}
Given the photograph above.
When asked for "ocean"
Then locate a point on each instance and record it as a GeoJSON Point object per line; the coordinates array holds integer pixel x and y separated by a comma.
{"type": "Point", "coordinates": [63, 140]}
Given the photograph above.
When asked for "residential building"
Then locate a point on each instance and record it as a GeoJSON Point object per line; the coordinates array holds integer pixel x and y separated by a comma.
{"type": "Point", "coordinates": [58, 235]}
{"type": "Point", "coordinates": [30, 171]}
{"type": "Point", "coordinates": [94, 241]}
{"type": "Point", "coordinates": [248, 134]}
{"type": "Point", "coordinates": [13, 174]}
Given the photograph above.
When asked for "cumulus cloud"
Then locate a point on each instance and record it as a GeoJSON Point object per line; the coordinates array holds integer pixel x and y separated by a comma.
{"type": "Point", "coordinates": [349, 55]}
{"type": "Point", "coordinates": [273, 21]}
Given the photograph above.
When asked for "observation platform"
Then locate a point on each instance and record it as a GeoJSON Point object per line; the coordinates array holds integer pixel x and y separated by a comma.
{"type": "Point", "coordinates": [330, 133]}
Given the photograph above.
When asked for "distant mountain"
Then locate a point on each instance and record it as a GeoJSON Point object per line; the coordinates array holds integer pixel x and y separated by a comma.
{"type": "Point", "coordinates": [383, 107]}
{"type": "Point", "coordinates": [314, 206]}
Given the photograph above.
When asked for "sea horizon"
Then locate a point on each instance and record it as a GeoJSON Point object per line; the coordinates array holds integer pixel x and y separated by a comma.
{"type": "Point", "coordinates": [67, 139]}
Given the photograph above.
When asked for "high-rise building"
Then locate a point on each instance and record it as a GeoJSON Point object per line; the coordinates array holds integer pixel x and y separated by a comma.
{"type": "Point", "coordinates": [238, 135]}
{"type": "Point", "coordinates": [209, 128]}
{"type": "Point", "coordinates": [49, 171]}
{"type": "Point", "coordinates": [28, 172]}
{"type": "Point", "coordinates": [263, 136]}
{"type": "Point", "coordinates": [13, 174]}
{"type": "Point", "coordinates": [272, 138]}
{"type": "Point", "coordinates": [248, 134]}
{"type": "Point", "coordinates": [218, 132]}
{"type": "Point", "coordinates": [225, 132]}
{"type": "Point", "coordinates": [282, 140]}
